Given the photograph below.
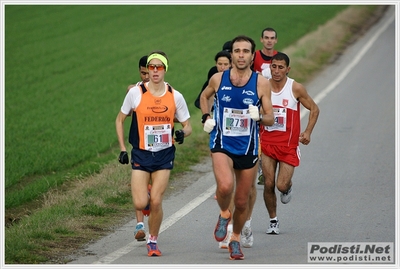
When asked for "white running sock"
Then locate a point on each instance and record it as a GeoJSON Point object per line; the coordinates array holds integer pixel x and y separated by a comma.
{"type": "Point", "coordinates": [247, 223]}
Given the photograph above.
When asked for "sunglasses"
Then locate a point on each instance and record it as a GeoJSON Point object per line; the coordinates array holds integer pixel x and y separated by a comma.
{"type": "Point", "coordinates": [158, 67]}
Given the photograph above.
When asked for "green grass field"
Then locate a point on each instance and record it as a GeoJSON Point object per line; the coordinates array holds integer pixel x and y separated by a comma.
{"type": "Point", "coordinates": [67, 68]}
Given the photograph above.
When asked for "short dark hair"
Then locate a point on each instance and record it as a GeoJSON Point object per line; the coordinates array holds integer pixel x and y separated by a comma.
{"type": "Point", "coordinates": [245, 38]}
{"type": "Point", "coordinates": [143, 61]}
{"type": "Point", "coordinates": [269, 29]}
{"type": "Point", "coordinates": [223, 53]}
{"type": "Point", "coordinates": [280, 56]}
{"type": "Point", "coordinates": [227, 46]}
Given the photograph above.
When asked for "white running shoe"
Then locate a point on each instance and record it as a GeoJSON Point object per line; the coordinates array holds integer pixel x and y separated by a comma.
{"type": "Point", "coordinates": [225, 242]}
{"type": "Point", "coordinates": [247, 237]}
{"type": "Point", "coordinates": [273, 227]}
{"type": "Point", "coordinates": [287, 196]}
{"type": "Point", "coordinates": [140, 232]}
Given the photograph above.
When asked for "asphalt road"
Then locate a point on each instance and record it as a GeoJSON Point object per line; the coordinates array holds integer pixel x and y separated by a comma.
{"type": "Point", "coordinates": [343, 191]}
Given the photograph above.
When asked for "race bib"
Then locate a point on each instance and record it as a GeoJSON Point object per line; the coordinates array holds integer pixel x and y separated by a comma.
{"type": "Point", "coordinates": [280, 115]}
{"type": "Point", "coordinates": [157, 137]}
{"type": "Point", "coordinates": [236, 122]}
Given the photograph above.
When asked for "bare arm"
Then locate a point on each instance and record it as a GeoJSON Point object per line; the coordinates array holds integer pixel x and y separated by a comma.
{"type": "Point", "coordinates": [206, 96]}
{"type": "Point", "coordinates": [186, 127]}
{"type": "Point", "coordinates": [301, 94]}
{"type": "Point", "coordinates": [119, 126]}
{"type": "Point", "coordinates": [264, 93]}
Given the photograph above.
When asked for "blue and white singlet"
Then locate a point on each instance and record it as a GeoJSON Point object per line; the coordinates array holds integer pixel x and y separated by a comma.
{"type": "Point", "coordinates": [235, 131]}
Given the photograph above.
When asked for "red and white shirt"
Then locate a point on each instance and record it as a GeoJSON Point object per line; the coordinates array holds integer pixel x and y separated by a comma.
{"type": "Point", "coordinates": [286, 129]}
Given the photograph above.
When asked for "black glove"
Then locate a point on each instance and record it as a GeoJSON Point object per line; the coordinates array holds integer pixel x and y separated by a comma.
{"type": "Point", "coordinates": [123, 157]}
{"type": "Point", "coordinates": [179, 136]}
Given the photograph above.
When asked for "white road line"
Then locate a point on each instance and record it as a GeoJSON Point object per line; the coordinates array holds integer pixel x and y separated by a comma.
{"type": "Point", "coordinates": [202, 197]}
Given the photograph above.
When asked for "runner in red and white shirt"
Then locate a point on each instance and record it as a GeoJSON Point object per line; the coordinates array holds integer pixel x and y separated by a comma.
{"type": "Point", "coordinates": [262, 58]}
{"type": "Point", "coordinates": [280, 142]}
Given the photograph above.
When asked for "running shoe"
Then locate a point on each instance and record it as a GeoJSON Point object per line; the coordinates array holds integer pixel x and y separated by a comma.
{"type": "Point", "coordinates": [287, 196]}
{"type": "Point", "coordinates": [247, 237]}
{"type": "Point", "coordinates": [152, 249]}
{"type": "Point", "coordinates": [273, 227]}
{"type": "Point", "coordinates": [224, 244]}
{"type": "Point", "coordinates": [221, 229]}
{"type": "Point", "coordinates": [140, 232]}
{"type": "Point", "coordinates": [235, 253]}
{"type": "Point", "coordinates": [146, 210]}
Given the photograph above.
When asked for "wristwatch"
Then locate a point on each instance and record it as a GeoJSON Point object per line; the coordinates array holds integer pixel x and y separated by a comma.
{"type": "Point", "coordinates": [204, 117]}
